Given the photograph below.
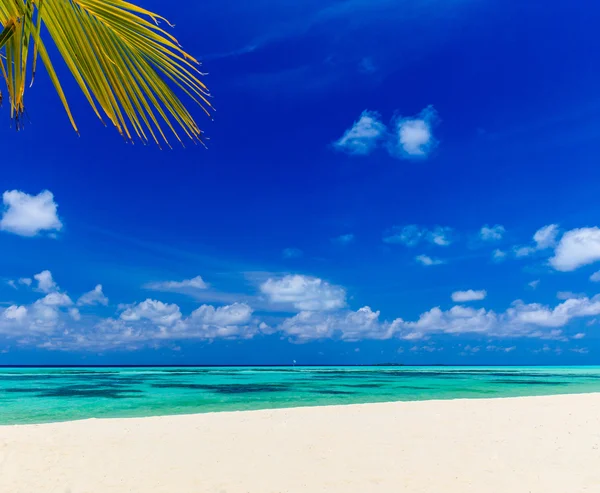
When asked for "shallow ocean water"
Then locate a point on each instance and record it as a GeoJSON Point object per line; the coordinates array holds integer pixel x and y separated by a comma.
{"type": "Point", "coordinates": [38, 395]}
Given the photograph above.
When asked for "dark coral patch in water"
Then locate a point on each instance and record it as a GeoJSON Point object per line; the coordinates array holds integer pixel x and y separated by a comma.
{"type": "Point", "coordinates": [90, 393]}
{"type": "Point", "coordinates": [333, 392]}
{"type": "Point", "coordinates": [231, 388]}
{"type": "Point", "coordinates": [530, 382]}
{"type": "Point", "coordinates": [363, 385]}
{"type": "Point", "coordinates": [78, 391]}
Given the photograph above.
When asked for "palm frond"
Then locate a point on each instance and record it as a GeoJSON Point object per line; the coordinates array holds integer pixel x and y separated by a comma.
{"type": "Point", "coordinates": [123, 61]}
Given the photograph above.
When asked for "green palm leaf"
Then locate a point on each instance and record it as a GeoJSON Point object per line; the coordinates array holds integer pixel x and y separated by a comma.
{"type": "Point", "coordinates": [123, 61]}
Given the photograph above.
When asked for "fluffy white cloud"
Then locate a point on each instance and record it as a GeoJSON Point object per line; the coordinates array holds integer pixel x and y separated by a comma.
{"type": "Point", "coordinates": [520, 320]}
{"type": "Point", "coordinates": [54, 322]}
{"type": "Point", "coordinates": [413, 136]}
{"type": "Point", "coordinates": [93, 297]}
{"type": "Point", "coordinates": [534, 284]}
{"type": "Point", "coordinates": [236, 314]}
{"type": "Point", "coordinates": [411, 235]}
{"type": "Point", "coordinates": [346, 325]}
{"type": "Point", "coordinates": [457, 320]}
{"type": "Point", "coordinates": [440, 236]}
{"type": "Point", "coordinates": [595, 277]}
{"type": "Point", "coordinates": [45, 282]}
{"type": "Point", "coordinates": [30, 324]}
{"type": "Point", "coordinates": [74, 313]}
{"type": "Point", "coordinates": [558, 316]}
{"type": "Point", "coordinates": [231, 321]}
{"type": "Point", "coordinates": [194, 283]}
{"type": "Point", "coordinates": [543, 239]}
{"type": "Point", "coordinates": [304, 293]}
{"type": "Point", "coordinates": [28, 215]}
{"type": "Point", "coordinates": [492, 233]}
{"type": "Point", "coordinates": [16, 313]}
{"type": "Point", "coordinates": [26, 281]}
{"type": "Point", "coordinates": [408, 138]}
{"type": "Point", "coordinates": [162, 314]}
{"type": "Point", "coordinates": [364, 136]}
{"type": "Point", "coordinates": [469, 295]}
{"type": "Point", "coordinates": [428, 261]}
{"type": "Point", "coordinates": [546, 237]}
{"type": "Point", "coordinates": [55, 299]}
{"type": "Point", "coordinates": [577, 247]}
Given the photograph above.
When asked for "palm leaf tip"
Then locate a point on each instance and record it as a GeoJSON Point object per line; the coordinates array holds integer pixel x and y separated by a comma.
{"type": "Point", "coordinates": [126, 65]}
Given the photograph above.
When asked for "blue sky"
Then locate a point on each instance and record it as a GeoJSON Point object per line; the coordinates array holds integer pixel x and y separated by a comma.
{"type": "Point", "coordinates": [385, 181]}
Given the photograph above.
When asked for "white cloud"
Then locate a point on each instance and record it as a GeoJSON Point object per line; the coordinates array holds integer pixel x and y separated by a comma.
{"type": "Point", "coordinates": [55, 299]}
{"type": "Point", "coordinates": [498, 255]}
{"type": "Point", "coordinates": [428, 261]}
{"type": "Point", "coordinates": [565, 295]}
{"type": "Point", "coordinates": [523, 251]}
{"type": "Point", "coordinates": [409, 138]}
{"type": "Point", "coordinates": [492, 233]}
{"type": "Point", "coordinates": [440, 236]}
{"type": "Point", "coordinates": [162, 314]}
{"type": "Point", "coordinates": [54, 322]}
{"type": "Point", "coordinates": [225, 322]}
{"type": "Point", "coordinates": [469, 295]}
{"type": "Point", "coordinates": [292, 253]}
{"type": "Point", "coordinates": [74, 313]}
{"type": "Point", "coordinates": [595, 277]}
{"type": "Point", "coordinates": [543, 239]}
{"type": "Point", "coordinates": [534, 284]}
{"type": "Point", "coordinates": [457, 320]}
{"type": "Point", "coordinates": [546, 237]}
{"type": "Point", "coordinates": [582, 350]}
{"type": "Point", "coordinates": [501, 348]}
{"type": "Point", "coordinates": [364, 136]}
{"type": "Point", "coordinates": [13, 312]}
{"type": "Point", "coordinates": [25, 281]}
{"type": "Point", "coordinates": [32, 323]}
{"type": "Point", "coordinates": [577, 247]}
{"type": "Point", "coordinates": [346, 325]}
{"type": "Point", "coordinates": [430, 348]}
{"type": "Point", "coordinates": [558, 316]}
{"type": "Point", "coordinates": [520, 320]}
{"type": "Point", "coordinates": [412, 137]}
{"type": "Point", "coordinates": [468, 349]}
{"type": "Point", "coordinates": [93, 297]}
{"type": "Point", "coordinates": [187, 284]}
{"type": "Point", "coordinates": [236, 314]}
{"type": "Point", "coordinates": [412, 234]}
{"type": "Point", "coordinates": [304, 293]}
{"type": "Point", "coordinates": [345, 239]}
{"type": "Point", "coordinates": [28, 215]}
{"type": "Point", "coordinates": [45, 283]}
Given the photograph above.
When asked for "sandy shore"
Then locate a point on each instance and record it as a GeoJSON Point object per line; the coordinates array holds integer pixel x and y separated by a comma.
{"type": "Point", "coordinates": [522, 445]}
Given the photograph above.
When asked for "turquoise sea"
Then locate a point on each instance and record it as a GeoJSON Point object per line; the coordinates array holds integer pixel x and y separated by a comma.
{"type": "Point", "coordinates": [37, 395]}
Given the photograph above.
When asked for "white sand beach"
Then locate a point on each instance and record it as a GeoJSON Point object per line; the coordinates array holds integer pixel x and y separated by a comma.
{"type": "Point", "coordinates": [519, 445]}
